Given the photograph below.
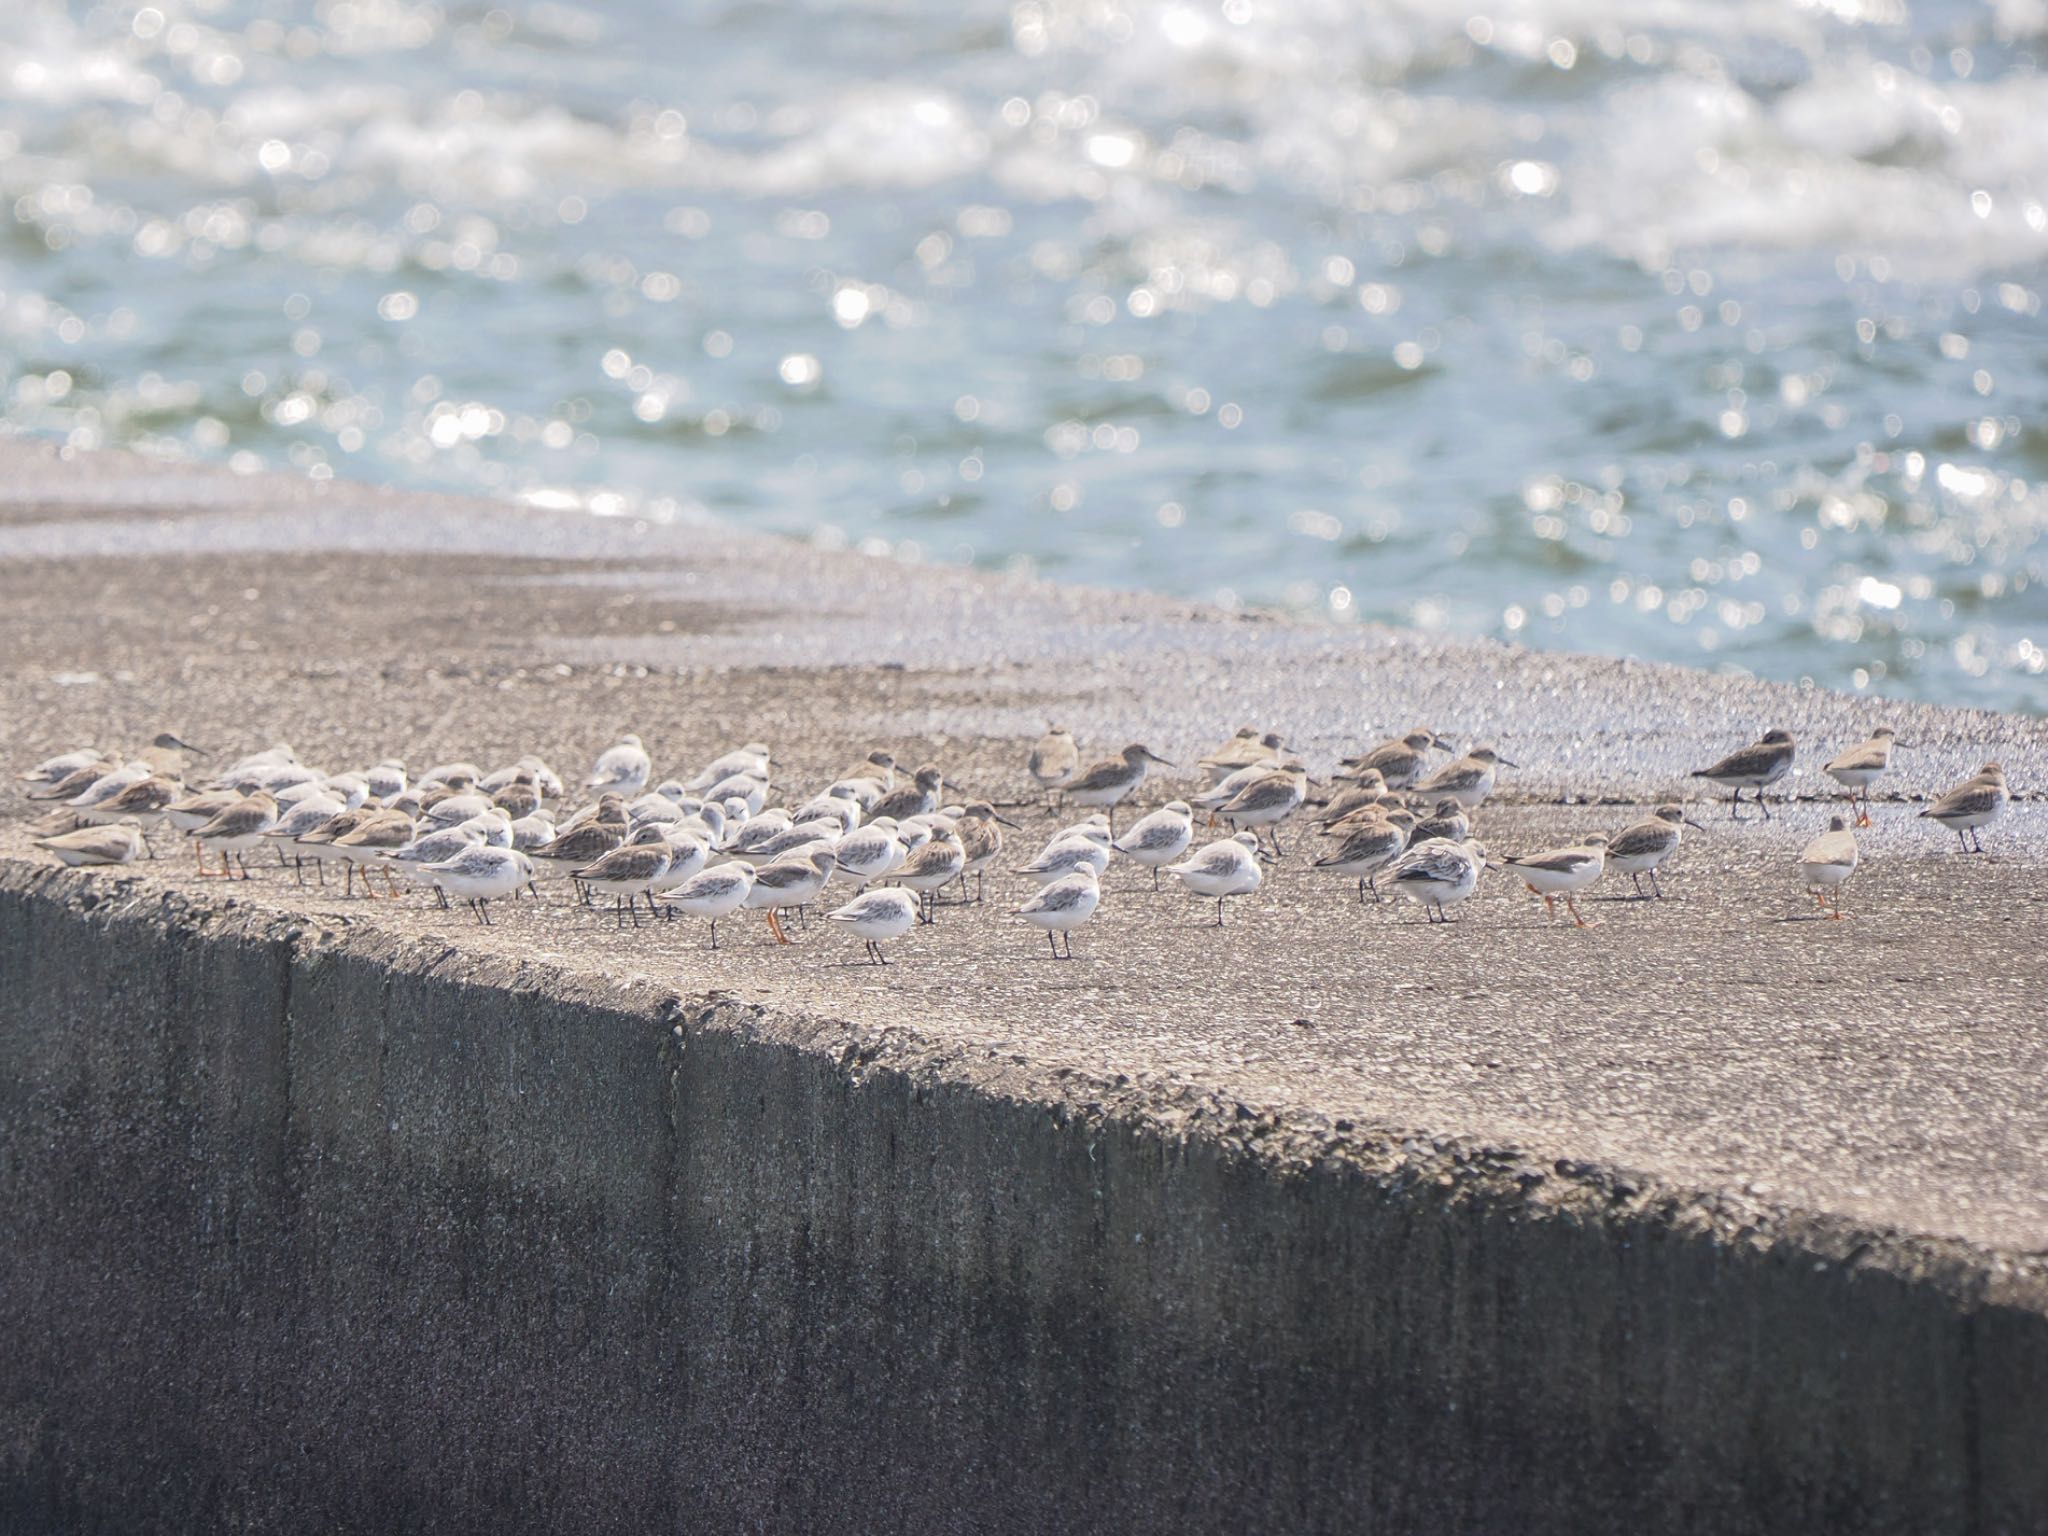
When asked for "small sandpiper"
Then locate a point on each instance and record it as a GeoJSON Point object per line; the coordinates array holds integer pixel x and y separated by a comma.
{"type": "Point", "coordinates": [1063, 906]}
{"type": "Point", "coordinates": [1108, 782]}
{"type": "Point", "coordinates": [89, 846]}
{"type": "Point", "coordinates": [1054, 759]}
{"type": "Point", "coordinates": [716, 892]}
{"type": "Point", "coordinates": [938, 863]}
{"type": "Point", "coordinates": [1159, 838]}
{"type": "Point", "coordinates": [1367, 849]}
{"type": "Point", "coordinates": [920, 797]}
{"type": "Point", "coordinates": [1268, 801]}
{"type": "Point", "coordinates": [1637, 850]}
{"type": "Point", "coordinates": [1469, 780]}
{"type": "Point", "coordinates": [1438, 874]}
{"type": "Point", "coordinates": [623, 769]}
{"type": "Point", "coordinates": [789, 883]}
{"type": "Point", "coordinates": [1067, 853]}
{"type": "Point", "coordinates": [480, 875]}
{"type": "Point", "coordinates": [1972, 804]}
{"type": "Point", "coordinates": [875, 916]}
{"type": "Point", "coordinates": [1222, 869]}
{"type": "Point", "coordinates": [628, 872]}
{"type": "Point", "coordinates": [873, 852]}
{"type": "Point", "coordinates": [237, 829]}
{"type": "Point", "coordinates": [1828, 861]}
{"type": "Point", "coordinates": [1862, 766]}
{"type": "Point", "coordinates": [1563, 872]}
{"type": "Point", "coordinates": [1247, 749]}
{"type": "Point", "coordinates": [1762, 763]}
{"type": "Point", "coordinates": [981, 838]}
{"type": "Point", "coordinates": [1447, 820]}
{"type": "Point", "coordinates": [1399, 762]}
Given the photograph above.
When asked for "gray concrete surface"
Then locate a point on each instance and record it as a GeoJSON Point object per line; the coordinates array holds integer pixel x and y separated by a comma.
{"type": "Point", "coordinates": [1710, 1217]}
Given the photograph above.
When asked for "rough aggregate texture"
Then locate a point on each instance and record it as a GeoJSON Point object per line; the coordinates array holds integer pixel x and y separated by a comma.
{"type": "Point", "coordinates": [1713, 1216]}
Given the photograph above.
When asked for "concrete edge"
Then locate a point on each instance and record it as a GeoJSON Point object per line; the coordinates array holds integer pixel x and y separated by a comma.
{"type": "Point", "coordinates": [1508, 1181]}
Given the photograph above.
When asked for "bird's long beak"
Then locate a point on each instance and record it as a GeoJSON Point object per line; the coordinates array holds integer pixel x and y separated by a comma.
{"type": "Point", "coordinates": [1444, 743]}
{"type": "Point", "coordinates": [1693, 824]}
{"type": "Point", "coordinates": [1007, 822]}
{"type": "Point", "coordinates": [187, 746]}
{"type": "Point", "coordinates": [1509, 762]}
{"type": "Point", "coordinates": [1162, 762]}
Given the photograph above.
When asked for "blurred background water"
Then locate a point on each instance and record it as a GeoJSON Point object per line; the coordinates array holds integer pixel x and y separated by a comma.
{"type": "Point", "coordinates": [1703, 330]}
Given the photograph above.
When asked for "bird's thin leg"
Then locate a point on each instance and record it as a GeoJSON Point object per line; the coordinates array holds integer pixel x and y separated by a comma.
{"type": "Point", "coordinates": [1372, 884]}
{"type": "Point", "coordinates": [1361, 890]}
{"type": "Point", "coordinates": [1735, 804]}
{"type": "Point", "coordinates": [390, 882]}
{"type": "Point", "coordinates": [1976, 840]}
{"type": "Point", "coordinates": [244, 863]}
{"type": "Point", "coordinates": [1656, 885]}
{"type": "Point", "coordinates": [1219, 911]}
{"type": "Point", "coordinates": [1052, 943]}
{"type": "Point", "coordinates": [1577, 916]}
{"type": "Point", "coordinates": [1761, 803]}
{"type": "Point", "coordinates": [714, 933]}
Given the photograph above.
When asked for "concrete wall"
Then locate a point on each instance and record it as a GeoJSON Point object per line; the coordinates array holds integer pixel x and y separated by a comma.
{"type": "Point", "coordinates": [305, 1230]}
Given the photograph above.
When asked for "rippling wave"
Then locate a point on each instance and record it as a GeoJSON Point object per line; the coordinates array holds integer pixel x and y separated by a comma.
{"type": "Point", "coordinates": [1706, 330]}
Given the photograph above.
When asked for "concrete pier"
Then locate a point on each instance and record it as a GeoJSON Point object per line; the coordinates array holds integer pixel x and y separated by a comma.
{"type": "Point", "coordinates": [349, 1214]}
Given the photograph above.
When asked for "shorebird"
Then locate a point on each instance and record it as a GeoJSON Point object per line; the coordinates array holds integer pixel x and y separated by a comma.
{"type": "Point", "coordinates": [386, 780]}
{"type": "Point", "coordinates": [1438, 874]}
{"type": "Point", "coordinates": [365, 848]}
{"type": "Point", "coordinates": [1862, 766]}
{"type": "Point", "coordinates": [1054, 759]}
{"type": "Point", "coordinates": [1468, 781]}
{"type": "Point", "coordinates": [1361, 793]}
{"type": "Point", "coordinates": [628, 872]}
{"type": "Point", "coordinates": [1063, 906]}
{"type": "Point", "coordinates": [1636, 851]}
{"type": "Point", "coordinates": [1267, 801]}
{"type": "Point", "coordinates": [938, 863]}
{"type": "Point", "coordinates": [87, 846]}
{"type": "Point", "coordinates": [1828, 861]}
{"type": "Point", "coordinates": [480, 875]}
{"type": "Point", "coordinates": [751, 759]}
{"type": "Point", "coordinates": [1763, 762]}
{"type": "Point", "coordinates": [1247, 749]}
{"type": "Point", "coordinates": [981, 838]}
{"type": "Point", "coordinates": [1226, 868]}
{"type": "Point", "coordinates": [76, 782]}
{"type": "Point", "coordinates": [55, 770]}
{"type": "Point", "coordinates": [623, 769]}
{"type": "Point", "coordinates": [716, 892]}
{"type": "Point", "coordinates": [1972, 804]}
{"type": "Point", "coordinates": [1563, 872]}
{"type": "Point", "coordinates": [920, 797]}
{"type": "Point", "coordinates": [875, 916]}
{"type": "Point", "coordinates": [1160, 838]}
{"type": "Point", "coordinates": [1109, 781]}
{"type": "Point", "coordinates": [144, 802]}
{"type": "Point", "coordinates": [789, 884]}
{"type": "Point", "coordinates": [543, 778]}
{"type": "Point", "coordinates": [1365, 850]}
{"type": "Point", "coordinates": [1448, 820]}
{"type": "Point", "coordinates": [1399, 762]}
{"type": "Point", "coordinates": [873, 852]}
{"type": "Point", "coordinates": [302, 819]}
{"type": "Point", "coordinates": [1065, 854]}
{"type": "Point", "coordinates": [238, 827]}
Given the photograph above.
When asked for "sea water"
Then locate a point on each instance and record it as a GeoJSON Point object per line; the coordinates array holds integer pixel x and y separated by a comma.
{"type": "Point", "coordinates": [1701, 330]}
